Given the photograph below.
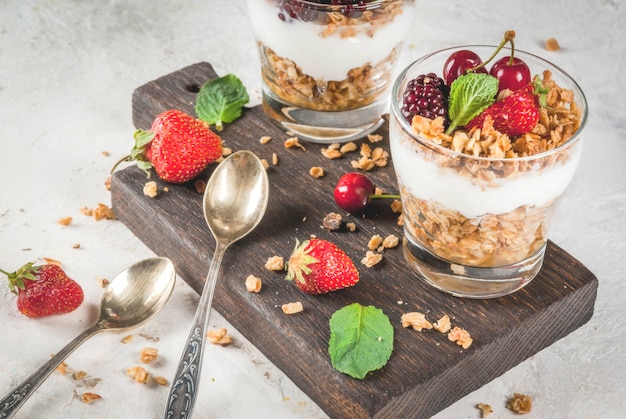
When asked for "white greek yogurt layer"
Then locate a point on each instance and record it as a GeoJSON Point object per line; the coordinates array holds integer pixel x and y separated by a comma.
{"type": "Point", "coordinates": [326, 58]}
{"type": "Point", "coordinates": [427, 181]}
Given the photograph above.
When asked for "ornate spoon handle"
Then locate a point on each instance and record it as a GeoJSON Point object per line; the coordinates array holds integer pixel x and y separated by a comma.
{"type": "Point", "coordinates": [11, 403]}
{"type": "Point", "coordinates": [184, 389]}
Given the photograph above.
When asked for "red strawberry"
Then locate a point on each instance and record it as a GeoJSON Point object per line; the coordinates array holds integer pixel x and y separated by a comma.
{"type": "Point", "coordinates": [178, 146]}
{"type": "Point", "coordinates": [318, 267]}
{"type": "Point", "coordinates": [515, 115]}
{"type": "Point", "coordinates": [44, 290]}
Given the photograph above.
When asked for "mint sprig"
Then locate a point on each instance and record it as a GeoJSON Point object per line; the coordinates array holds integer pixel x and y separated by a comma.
{"type": "Point", "coordinates": [361, 340]}
{"type": "Point", "coordinates": [221, 100]}
{"type": "Point", "coordinates": [470, 94]}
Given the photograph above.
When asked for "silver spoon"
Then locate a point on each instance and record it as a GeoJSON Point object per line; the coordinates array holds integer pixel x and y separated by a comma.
{"type": "Point", "coordinates": [132, 298]}
{"type": "Point", "coordinates": [234, 203]}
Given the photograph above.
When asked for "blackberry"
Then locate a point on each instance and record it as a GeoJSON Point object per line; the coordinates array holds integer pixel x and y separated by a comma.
{"type": "Point", "coordinates": [426, 95]}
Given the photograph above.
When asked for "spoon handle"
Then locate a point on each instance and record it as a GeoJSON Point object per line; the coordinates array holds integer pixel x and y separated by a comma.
{"type": "Point", "coordinates": [184, 389]}
{"type": "Point", "coordinates": [11, 403]}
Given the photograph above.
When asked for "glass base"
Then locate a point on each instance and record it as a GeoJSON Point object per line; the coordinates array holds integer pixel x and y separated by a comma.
{"type": "Point", "coordinates": [322, 126]}
{"type": "Point", "coordinates": [470, 281]}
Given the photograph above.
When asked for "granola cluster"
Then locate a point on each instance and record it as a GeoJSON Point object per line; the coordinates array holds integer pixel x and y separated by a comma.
{"type": "Point", "coordinates": [492, 157]}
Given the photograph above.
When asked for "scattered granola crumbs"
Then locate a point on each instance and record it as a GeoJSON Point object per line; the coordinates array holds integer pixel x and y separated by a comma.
{"type": "Point", "coordinates": [292, 308]}
{"type": "Point", "coordinates": [253, 283]}
{"type": "Point", "coordinates": [219, 337]}
{"type": "Point", "coordinates": [102, 281]}
{"type": "Point", "coordinates": [150, 189]}
{"type": "Point", "coordinates": [166, 189]}
{"type": "Point", "coordinates": [485, 409]}
{"type": "Point", "coordinates": [265, 139]}
{"type": "Point", "coordinates": [76, 246]}
{"type": "Point", "coordinates": [65, 221]}
{"type": "Point", "coordinates": [378, 190]}
{"type": "Point", "coordinates": [374, 138]}
{"type": "Point", "coordinates": [274, 159]}
{"type": "Point", "coordinates": [552, 44]}
{"type": "Point", "coordinates": [265, 164]}
{"type": "Point", "coordinates": [127, 339]}
{"type": "Point", "coordinates": [62, 368]}
{"type": "Point", "coordinates": [293, 142]}
{"type": "Point", "coordinates": [139, 374]}
{"type": "Point", "coordinates": [103, 212]}
{"type": "Point", "coordinates": [331, 153]}
{"type": "Point", "coordinates": [391, 241]}
{"type": "Point", "coordinates": [332, 221]}
{"type": "Point", "coordinates": [147, 355]}
{"type": "Point", "coordinates": [275, 263]}
{"type": "Point", "coordinates": [371, 259]}
{"type": "Point", "coordinates": [443, 324]}
{"type": "Point", "coordinates": [79, 375]}
{"type": "Point", "coordinates": [160, 380]}
{"type": "Point", "coordinates": [461, 337]}
{"type": "Point", "coordinates": [375, 241]}
{"type": "Point", "coordinates": [351, 226]}
{"type": "Point", "coordinates": [107, 183]}
{"type": "Point", "coordinates": [415, 320]}
{"type": "Point", "coordinates": [226, 151]}
{"type": "Point", "coordinates": [105, 153]}
{"type": "Point", "coordinates": [199, 185]}
{"type": "Point", "coordinates": [316, 172]}
{"type": "Point", "coordinates": [52, 261]}
{"type": "Point", "coordinates": [86, 211]}
{"type": "Point", "coordinates": [520, 403]}
{"type": "Point", "coordinates": [90, 397]}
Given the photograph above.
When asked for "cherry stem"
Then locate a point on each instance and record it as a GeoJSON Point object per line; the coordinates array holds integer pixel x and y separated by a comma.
{"type": "Point", "coordinates": [385, 196]}
{"type": "Point", "coordinates": [508, 38]}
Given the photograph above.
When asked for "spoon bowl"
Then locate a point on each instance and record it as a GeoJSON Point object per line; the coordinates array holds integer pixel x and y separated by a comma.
{"type": "Point", "coordinates": [132, 298]}
{"type": "Point", "coordinates": [234, 202]}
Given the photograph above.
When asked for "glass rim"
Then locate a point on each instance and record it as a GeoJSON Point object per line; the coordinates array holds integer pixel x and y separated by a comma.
{"type": "Point", "coordinates": [316, 5]}
{"type": "Point", "coordinates": [576, 137]}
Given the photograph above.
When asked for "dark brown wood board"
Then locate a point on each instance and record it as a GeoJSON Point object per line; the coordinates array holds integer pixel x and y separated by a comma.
{"type": "Point", "coordinates": [426, 372]}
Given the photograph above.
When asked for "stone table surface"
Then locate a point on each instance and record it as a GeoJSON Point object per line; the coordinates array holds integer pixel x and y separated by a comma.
{"type": "Point", "coordinates": [67, 73]}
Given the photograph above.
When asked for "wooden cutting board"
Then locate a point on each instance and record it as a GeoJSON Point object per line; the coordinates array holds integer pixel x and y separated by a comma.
{"type": "Point", "coordinates": [426, 372]}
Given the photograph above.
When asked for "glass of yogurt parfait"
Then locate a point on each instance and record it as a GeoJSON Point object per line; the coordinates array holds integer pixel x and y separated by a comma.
{"type": "Point", "coordinates": [327, 65]}
{"type": "Point", "coordinates": [478, 202]}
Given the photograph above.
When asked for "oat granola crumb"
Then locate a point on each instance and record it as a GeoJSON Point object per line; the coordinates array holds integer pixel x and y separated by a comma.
{"type": "Point", "coordinates": [147, 355]}
{"type": "Point", "coordinates": [485, 409]}
{"type": "Point", "coordinates": [292, 308]}
{"type": "Point", "coordinates": [62, 368]}
{"type": "Point", "coordinates": [293, 142]}
{"type": "Point", "coordinates": [199, 185]}
{"type": "Point", "coordinates": [90, 397]}
{"type": "Point", "coordinates": [265, 164]}
{"type": "Point", "coordinates": [443, 324]}
{"type": "Point", "coordinates": [265, 139]}
{"type": "Point", "coordinates": [396, 206]}
{"type": "Point", "coordinates": [79, 375]}
{"type": "Point", "coordinates": [552, 44]}
{"type": "Point", "coordinates": [348, 147]}
{"type": "Point", "coordinates": [150, 189]}
{"type": "Point", "coordinates": [275, 263]}
{"type": "Point", "coordinates": [86, 211]}
{"type": "Point", "coordinates": [76, 246]}
{"type": "Point", "coordinates": [415, 320]}
{"type": "Point", "coordinates": [461, 337]}
{"type": "Point", "coordinates": [127, 339]}
{"type": "Point", "coordinates": [65, 221]}
{"type": "Point", "coordinates": [274, 159]}
{"type": "Point", "coordinates": [103, 212]}
{"type": "Point", "coordinates": [52, 261]}
{"type": "Point", "coordinates": [316, 172]}
{"type": "Point", "coordinates": [374, 138]}
{"type": "Point", "coordinates": [351, 226]}
{"type": "Point", "coordinates": [160, 380]}
{"type": "Point", "coordinates": [219, 337]}
{"type": "Point", "coordinates": [371, 259]}
{"type": "Point", "coordinates": [520, 403]}
{"type": "Point", "coordinates": [253, 284]}
{"type": "Point", "coordinates": [226, 151]}
{"type": "Point", "coordinates": [391, 241]}
{"type": "Point", "coordinates": [107, 183]}
{"type": "Point", "coordinates": [374, 242]}
{"type": "Point", "coordinates": [331, 153]}
{"type": "Point", "coordinates": [139, 374]}
{"type": "Point", "coordinates": [332, 221]}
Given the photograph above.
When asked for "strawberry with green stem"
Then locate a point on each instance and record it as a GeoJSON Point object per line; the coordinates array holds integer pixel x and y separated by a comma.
{"type": "Point", "coordinates": [44, 290]}
{"type": "Point", "coordinates": [318, 266]}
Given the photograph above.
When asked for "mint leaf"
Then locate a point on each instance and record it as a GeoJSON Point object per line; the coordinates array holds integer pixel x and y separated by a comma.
{"type": "Point", "coordinates": [220, 100]}
{"type": "Point", "coordinates": [361, 340]}
{"type": "Point", "coordinates": [470, 94]}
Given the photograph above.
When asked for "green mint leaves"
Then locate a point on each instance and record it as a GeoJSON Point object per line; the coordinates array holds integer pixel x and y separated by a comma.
{"type": "Point", "coordinates": [220, 100]}
{"type": "Point", "coordinates": [361, 340]}
{"type": "Point", "coordinates": [470, 94]}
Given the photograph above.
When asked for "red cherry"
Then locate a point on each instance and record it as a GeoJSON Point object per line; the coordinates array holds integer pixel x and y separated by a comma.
{"type": "Point", "coordinates": [512, 76]}
{"type": "Point", "coordinates": [353, 192]}
{"type": "Point", "coordinates": [459, 62]}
